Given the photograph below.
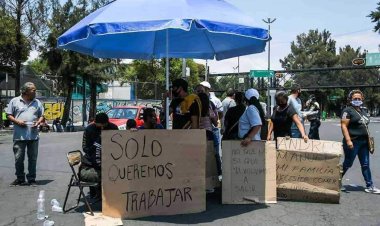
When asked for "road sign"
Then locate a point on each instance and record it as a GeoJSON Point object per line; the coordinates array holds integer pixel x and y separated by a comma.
{"type": "Point", "coordinates": [372, 59]}
{"type": "Point", "coordinates": [261, 73]}
{"type": "Point", "coordinates": [358, 61]}
{"type": "Point", "coordinates": [333, 97]}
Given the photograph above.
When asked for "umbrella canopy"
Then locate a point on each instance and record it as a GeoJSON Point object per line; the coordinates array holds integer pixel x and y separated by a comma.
{"type": "Point", "coordinates": [152, 29]}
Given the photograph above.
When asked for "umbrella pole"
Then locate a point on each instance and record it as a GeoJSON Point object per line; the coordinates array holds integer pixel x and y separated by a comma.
{"type": "Point", "coordinates": [167, 80]}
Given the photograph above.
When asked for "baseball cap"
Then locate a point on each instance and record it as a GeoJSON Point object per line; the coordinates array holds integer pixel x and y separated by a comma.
{"type": "Point", "coordinates": [206, 84]}
{"type": "Point", "coordinates": [252, 93]}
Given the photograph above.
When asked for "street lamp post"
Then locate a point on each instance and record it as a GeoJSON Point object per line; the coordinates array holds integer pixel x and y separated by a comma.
{"type": "Point", "coordinates": [270, 80]}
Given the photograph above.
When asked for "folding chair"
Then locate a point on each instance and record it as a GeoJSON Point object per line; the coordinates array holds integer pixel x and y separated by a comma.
{"type": "Point", "coordinates": [75, 159]}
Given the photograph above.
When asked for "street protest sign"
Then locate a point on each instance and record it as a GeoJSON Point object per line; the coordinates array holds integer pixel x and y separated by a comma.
{"type": "Point", "coordinates": [212, 177]}
{"type": "Point", "coordinates": [249, 173]}
{"type": "Point", "coordinates": [153, 172]}
{"type": "Point", "coordinates": [308, 171]}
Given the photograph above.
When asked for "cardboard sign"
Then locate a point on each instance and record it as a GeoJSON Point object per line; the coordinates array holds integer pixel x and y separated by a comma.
{"type": "Point", "coordinates": [212, 179]}
{"type": "Point", "coordinates": [249, 173]}
{"type": "Point", "coordinates": [153, 172]}
{"type": "Point", "coordinates": [308, 171]}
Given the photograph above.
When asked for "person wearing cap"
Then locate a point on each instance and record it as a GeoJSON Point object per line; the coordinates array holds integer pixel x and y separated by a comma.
{"type": "Point", "coordinates": [90, 169]}
{"type": "Point", "coordinates": [295, 101]}
{"type": "Point", "coordinates": [186, 108]}
{"type": "Point", "coordinates": [252, 119]}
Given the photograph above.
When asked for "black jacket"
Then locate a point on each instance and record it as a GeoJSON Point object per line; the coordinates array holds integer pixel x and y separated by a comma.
{"type": "Point", "coordinates": [91, 144]}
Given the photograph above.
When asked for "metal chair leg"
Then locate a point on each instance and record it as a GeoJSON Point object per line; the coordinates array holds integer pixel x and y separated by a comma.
{"type": "Point", "coordinates": [67, 194]}
{"type": "Point", "coordinates": [85, 200]}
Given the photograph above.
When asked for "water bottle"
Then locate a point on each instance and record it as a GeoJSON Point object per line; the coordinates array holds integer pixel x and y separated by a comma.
{"type": "Point", "coordinates": [41, 205]}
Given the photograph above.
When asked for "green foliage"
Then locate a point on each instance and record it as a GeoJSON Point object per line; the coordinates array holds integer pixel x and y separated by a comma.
{"type": "Point", "coordinates": [317, 50]}
{"type": "Point", "coordinates": [8, 42]}
{"type": "Point", "coordinates": [375, 17]}
{"type": "Point", "coordinates": [150, 75]}
{"type": "Point", "coordinates": [40, 66]}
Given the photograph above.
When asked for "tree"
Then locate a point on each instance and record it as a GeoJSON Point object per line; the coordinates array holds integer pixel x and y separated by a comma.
{"type": "Point", "coordinates": [8, 43]}
{"type": "Point", "coordinates": [29, 23]}
{"type": "Point", "coordinates": [375, 17]}
{"type": "Point", "coordinates": [149, 75]}
{"type": "Point", "coordinates": [317, 50]}
{"type": "Point", "coordinates": [68, 64]}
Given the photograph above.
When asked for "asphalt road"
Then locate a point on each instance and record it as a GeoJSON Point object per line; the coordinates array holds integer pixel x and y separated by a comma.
{"type": "Point", "coordinates": [18, 204]}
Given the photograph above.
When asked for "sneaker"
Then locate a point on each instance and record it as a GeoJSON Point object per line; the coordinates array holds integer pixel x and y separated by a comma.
{"type": "Point", "coordinates": [17, 182]}
{"type": "Point", "coordinates": [32, 183]}
{"type": "Point", "coordinates": [343, 188]}
{"type": "Point", "coordinates": [372, 189]}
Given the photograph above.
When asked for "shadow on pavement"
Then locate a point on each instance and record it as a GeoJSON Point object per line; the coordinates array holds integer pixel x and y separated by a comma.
{"type": "Point", "coordinates": [214, 211]}
{"type": "Point", "coordinates": [354, 188]}
{"type": "Point", "coordinates": [43, 182]}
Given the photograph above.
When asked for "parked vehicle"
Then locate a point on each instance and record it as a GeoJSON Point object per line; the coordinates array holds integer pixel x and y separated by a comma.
{"type": "Point", "coordinates": [119, 115]}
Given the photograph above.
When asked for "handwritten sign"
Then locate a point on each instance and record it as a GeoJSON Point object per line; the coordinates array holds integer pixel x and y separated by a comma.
{"type": "Point", "coordinates": [212, 179]}
{"type": "Point", "coordinates": [308, 171]}
{"type": "Point", "coordinates": [153, 172]}
{"type": "Point", "coordinates": [249, 174]}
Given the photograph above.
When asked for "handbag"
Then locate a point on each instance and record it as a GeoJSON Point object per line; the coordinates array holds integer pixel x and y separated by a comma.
{"type": "Point", "coordinates": [371, 144]}
{"type": "Point", "coordinates": [371, 140]}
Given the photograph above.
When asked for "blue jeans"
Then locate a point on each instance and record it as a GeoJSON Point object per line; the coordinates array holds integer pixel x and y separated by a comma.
{"type": "Point", "coordinates": [295, 132]}
{"type": "Point", "coordinates": [19, 147]}
{"type": "Point", "coordinates": [216, 132]}
{"type": "Point", "coordinates": [361, 150]}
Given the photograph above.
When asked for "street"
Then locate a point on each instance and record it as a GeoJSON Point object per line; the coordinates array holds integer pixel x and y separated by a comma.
{"type": "Point", "coordinates": [18, 204]}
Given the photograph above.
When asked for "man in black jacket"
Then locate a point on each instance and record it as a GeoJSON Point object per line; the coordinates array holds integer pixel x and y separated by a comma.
{"type": "Point", "coordinates": [90, 170]}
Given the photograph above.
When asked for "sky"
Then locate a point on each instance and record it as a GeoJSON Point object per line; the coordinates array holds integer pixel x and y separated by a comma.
{"type": "Point", "coordinates": [346, 19]}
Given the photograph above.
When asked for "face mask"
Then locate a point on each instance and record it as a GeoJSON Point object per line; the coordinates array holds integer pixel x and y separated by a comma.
{"type": "Point", "coordinates": [356, 103]}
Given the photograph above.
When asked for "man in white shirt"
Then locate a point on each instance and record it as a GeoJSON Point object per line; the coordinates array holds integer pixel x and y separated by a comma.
{"type": "Point", "coordinates": [296, 103]}
{"type": "Point", "coordinates": [227, 103]}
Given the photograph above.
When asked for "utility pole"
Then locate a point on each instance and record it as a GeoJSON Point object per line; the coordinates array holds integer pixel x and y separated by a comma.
{"type": "Point", "coordinates": [270, 79]}
{"type": "Point", "coordinates": [206, 72]}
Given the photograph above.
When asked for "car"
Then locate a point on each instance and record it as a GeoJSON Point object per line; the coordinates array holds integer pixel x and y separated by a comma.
{"type": "Point", "coordinates": [119, 115]}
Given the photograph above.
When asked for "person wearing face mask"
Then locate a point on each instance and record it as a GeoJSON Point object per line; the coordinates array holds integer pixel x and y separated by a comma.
{"type": "Point", "coordinates": [186, 108]}
{"type": "Point", "coordinates": [283, 117]}
{"type": "Point", "coordinates": [295, 101]}
{"type": "Point", "coordinates": [252, 119]}
{"type": "Point", "coordinates": [354, 124]}
{"type": "Point", "coordinates": [90, 169]}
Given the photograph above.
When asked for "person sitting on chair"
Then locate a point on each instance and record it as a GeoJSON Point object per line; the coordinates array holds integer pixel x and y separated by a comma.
{"type": "Point", "coordinates": [150, 120]}
{"type": "Point", "coordinates": [92, 146]}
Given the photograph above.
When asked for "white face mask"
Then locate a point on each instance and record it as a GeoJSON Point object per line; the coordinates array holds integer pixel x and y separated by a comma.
{"type": "Point", "coordinates": [357, 103]}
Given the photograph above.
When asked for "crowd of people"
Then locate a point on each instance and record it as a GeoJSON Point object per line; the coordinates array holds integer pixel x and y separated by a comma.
{"type": "Point", "coordinates": [240, 115]}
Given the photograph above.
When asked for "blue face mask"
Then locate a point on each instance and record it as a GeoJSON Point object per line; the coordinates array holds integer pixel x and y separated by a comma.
{"type": "Point", "coordinates": [356, 103]}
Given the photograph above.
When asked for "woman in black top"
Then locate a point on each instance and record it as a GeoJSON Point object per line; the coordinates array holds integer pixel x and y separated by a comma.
{"type": "Point", "coordinates": [282, 118]}
{"type": "Point", "coordinates": [355, 131]}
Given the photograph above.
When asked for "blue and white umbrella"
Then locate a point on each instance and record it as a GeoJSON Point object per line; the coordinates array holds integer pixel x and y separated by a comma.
{"type": "Point", "coordinates": [153, 29]}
